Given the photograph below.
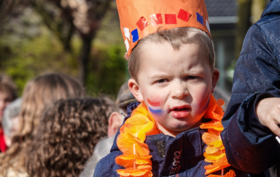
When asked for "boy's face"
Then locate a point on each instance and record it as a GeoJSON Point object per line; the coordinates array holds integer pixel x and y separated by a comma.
{"type": "Point", "coordinates": [5, 99]}
{"type": "Point", "coordinates": [174, 84]}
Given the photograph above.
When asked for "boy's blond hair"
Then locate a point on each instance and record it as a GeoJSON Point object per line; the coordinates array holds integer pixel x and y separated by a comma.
{"type": "Point", "coordinates": [176, 37]}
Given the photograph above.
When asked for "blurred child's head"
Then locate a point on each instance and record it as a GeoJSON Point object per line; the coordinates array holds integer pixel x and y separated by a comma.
{"type": "Point", "coordinates": [172, 72]}
{"type": "Point", "coordinates": [11, 120]}
{"type": "Point", "coordinates": [44, 90]}
{"type": "Point", "coordinates": [7, 93]}
{"type": "Point", "coordinates": [38, 95]}
{"type": "Point", "coordinates": [66, 137]}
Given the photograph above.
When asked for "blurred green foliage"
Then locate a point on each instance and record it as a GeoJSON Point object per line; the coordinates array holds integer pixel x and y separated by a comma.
{"type": "Point", "coordinates": [31, 57]}
{"type": "Point", "coordinates": [107, 71]}
{"type": "Point", "coordinates": [23, 57]}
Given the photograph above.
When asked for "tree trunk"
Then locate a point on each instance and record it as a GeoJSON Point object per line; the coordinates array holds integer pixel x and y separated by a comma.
{"type": "Point", "coordinates": [83, 59]}
{"type": "Point", "coordinates": [67, 41]}
{"type": "Point", "coordinates": [257, 9]}
{"type": "Point", "coordinates": [244, 23]}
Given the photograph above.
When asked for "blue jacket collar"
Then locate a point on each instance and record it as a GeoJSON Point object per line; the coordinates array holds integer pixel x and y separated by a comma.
{"type": "Point", "coordinates": [272, 8]}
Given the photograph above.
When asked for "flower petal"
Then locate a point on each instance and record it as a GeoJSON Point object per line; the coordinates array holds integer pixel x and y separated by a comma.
{"type": "Point", "coordinates": [144, 167]}
{"type": "Point", "coordinates": [231, 173]}
{"type": "Point", "coordinates": [209, 138]}
{"type": "Point", "coordinates": [130, 145]}
{"type": "Point", "coordinates": [130, 172]}
{"type": "Point", "coordinates": [211, 150]}
{"type": "Point", "coordinates": [214, 156]}
{"type": "Point", "coordinates": [212, 124]}
{"type": "Point", "coordinates": [217, 168]}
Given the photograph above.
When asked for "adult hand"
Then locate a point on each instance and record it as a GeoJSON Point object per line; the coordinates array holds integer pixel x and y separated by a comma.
{"type": "Point", "coordinates": [268, 112]}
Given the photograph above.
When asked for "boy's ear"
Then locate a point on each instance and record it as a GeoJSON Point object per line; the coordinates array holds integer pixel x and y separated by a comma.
{"type": "Point", "coordinates": [115, 121]}
{"type": "Point", "coordinates": [215, 77]}
{"type": "Point", "coordinates": [135, 89]}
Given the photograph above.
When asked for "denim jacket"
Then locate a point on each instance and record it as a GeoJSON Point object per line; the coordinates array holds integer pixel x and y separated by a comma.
{"type": "Point", "coordinates": [252, 147]}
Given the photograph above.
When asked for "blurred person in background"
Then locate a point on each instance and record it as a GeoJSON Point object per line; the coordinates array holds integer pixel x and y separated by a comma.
{"type": "Point", "coordinates": [124, 98]}
{"type": "Point", "coordinates": [10, 120]}
{"type": "Point", "coordinates": [38, 94]}
{"type": "Point", "coordinates": [66, 137]}
{"type": "Point", "coordinates": [8, 93]}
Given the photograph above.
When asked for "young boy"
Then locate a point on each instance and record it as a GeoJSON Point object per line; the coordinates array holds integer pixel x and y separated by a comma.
{"type": "Point", "coordinates": [173, 76]}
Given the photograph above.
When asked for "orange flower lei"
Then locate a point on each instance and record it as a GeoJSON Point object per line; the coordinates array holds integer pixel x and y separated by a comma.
{"type": "Point", "coordinates": [136, 156]}
{"type": "Point", "coordinates": [215, 151]}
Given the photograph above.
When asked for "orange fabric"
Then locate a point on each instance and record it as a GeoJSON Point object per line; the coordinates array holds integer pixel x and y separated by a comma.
{"type": "Point", "coordinates": [149, 16]}
{"type": "Point", "coordinates": [136, 158]}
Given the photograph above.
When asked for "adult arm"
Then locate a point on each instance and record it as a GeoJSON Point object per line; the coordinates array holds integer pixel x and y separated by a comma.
{"type": "Point", "coordinates": [250, 146]}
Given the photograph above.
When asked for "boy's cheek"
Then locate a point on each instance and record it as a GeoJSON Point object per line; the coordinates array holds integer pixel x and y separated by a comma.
{"type": "Point", "coordinates": [155, 105]}
{"type": "Point", "coordinates": [203, 105]}
{"type": "Point", "coordinates": [201, 98]}
{"type": "Point", "coordinates": [154, 99]}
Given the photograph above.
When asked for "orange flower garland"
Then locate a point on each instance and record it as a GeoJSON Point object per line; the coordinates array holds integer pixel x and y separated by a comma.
{"type": "Point", "coordinates": [215, 151]}
{"type": "Point", "coordinates": [136, 156]}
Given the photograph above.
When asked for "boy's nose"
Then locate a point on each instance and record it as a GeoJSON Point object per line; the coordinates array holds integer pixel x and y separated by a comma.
{"type": "Point", "coordinates": [179, 91]}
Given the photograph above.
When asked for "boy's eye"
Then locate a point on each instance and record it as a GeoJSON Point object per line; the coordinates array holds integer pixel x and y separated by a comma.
{"type": "Point", "coordinates": [192, 77]}
{"type": "Point", "coordinates": [161, 81]}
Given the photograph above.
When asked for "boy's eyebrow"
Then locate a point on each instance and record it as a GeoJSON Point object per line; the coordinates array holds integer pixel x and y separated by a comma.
{"type": "Point", "coordinates": [158, 75]}
{"type": "Point", "coordinates": [194, 71]}
{"type": "Point", "coordinates": [186, 72]}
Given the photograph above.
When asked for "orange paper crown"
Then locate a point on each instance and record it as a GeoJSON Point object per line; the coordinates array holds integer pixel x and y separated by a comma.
{"type": "Point", "coordinates": [139, 18]}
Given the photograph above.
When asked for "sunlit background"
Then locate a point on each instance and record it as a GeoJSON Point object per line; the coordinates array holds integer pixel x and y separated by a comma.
{"type": "Point", "coordinates": [82, 38]}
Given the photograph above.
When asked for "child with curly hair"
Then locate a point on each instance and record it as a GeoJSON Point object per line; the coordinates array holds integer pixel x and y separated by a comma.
{"type": "Point", "coordinates": [66, 137]}
{"type": "Point", "coordinates": [39, 93]}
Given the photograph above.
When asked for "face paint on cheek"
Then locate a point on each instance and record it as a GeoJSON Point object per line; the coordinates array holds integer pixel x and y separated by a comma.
{"type": "Point", "coordinates": [154, 107]}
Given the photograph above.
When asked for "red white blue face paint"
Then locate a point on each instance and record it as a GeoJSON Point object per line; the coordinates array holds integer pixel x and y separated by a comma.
{"type": "Point", "coordinates": [154, 107]}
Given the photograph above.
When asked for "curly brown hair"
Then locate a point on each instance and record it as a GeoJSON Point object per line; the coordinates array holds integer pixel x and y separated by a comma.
{"type": "Point", "coordinates": [66, 137]}
{"type": "Point", "coordinates": [39, 93]}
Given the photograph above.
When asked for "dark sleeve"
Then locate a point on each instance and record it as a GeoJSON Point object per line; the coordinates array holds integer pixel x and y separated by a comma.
{"type": "Point", "coordinates": [107, 166]}
{"type": "Point", "coordinates": [254, 125]}
{"type": "Point", "coordinates": [249, 146]}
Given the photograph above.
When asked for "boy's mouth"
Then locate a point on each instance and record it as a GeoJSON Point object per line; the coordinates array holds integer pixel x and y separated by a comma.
{"type": "Point", "coordinates": [180, 111]}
